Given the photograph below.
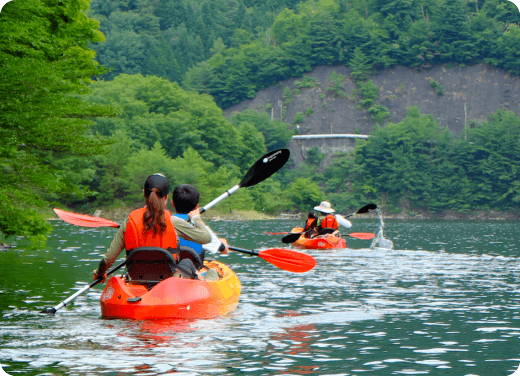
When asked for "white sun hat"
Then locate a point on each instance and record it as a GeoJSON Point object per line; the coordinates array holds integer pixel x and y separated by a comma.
{"type": "Point", "coordinates": [324, 207]}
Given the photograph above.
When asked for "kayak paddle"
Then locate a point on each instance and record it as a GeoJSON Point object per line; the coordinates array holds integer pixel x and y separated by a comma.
{"type": "Point", "coordinates": [52, 311]}
{"type": "Point", "coordinates": [291, 238]}
{"type": "Point", "coordinates": [267, 165]}
{"type": "Point", "coordinates": [286, 259]}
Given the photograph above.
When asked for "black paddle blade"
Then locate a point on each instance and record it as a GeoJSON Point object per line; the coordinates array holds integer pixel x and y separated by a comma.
{"type": "Point", "coordinates": [265, 167]}
{"type": "Point", "coordinates": [49, 311]}
{"type": "Point", "coordinates": [367, 208]}
{"type": "Point", "coordinates": [291, 238]}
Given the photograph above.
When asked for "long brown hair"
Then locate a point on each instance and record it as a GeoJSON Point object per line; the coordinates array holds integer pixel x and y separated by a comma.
{"type": "Point", "coordinates": [154, 215]}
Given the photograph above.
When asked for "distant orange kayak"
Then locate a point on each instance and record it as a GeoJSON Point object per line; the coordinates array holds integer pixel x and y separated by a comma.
{"type": "Point", "coordinates": [175, 298]}
{"type": "Point", "coordinates": [319, 242]}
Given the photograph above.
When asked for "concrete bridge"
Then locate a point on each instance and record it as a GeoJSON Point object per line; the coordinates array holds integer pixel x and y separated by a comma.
{"type": "Point", "coordinates": [327, 144]}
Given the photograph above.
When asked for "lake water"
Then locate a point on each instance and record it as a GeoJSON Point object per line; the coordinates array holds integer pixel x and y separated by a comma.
{"type": "Point", "coordinates": [444, 301]}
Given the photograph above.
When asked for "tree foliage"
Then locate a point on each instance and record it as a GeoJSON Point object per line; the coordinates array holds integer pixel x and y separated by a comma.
{"type": "Point", "coordinates": [366, 36]}
{"type": "Point", "coordinates": [418, 164]}
{"type": "Point", "coordinates": [45, 66]}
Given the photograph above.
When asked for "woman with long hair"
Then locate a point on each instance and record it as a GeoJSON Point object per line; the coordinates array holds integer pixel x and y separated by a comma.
{"type": "Point", "coordinates": [153, 226]}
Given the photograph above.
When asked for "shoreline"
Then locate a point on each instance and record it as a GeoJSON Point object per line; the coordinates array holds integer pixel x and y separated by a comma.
{"type": "Point", "coordinates": [119, 214]}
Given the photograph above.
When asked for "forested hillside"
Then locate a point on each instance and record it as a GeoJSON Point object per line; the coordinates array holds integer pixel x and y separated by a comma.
{"type": "Point", "coordinates": [232, 49]}
{"type": "Point", "coordinates": [84, 135]}
{"type": "Point", "coordinates": [165, 38]}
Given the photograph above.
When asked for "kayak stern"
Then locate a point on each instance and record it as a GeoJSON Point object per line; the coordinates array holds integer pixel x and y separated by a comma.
{"type": "Point", "coordinates": [177, 298]}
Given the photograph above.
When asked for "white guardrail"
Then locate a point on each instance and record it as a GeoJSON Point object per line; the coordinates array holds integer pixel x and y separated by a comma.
{"type": "Point", "coordinates": [317, 136]}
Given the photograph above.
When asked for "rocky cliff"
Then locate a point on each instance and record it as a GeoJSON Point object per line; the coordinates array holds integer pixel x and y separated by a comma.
{"type": "Point", "coordinates": [469, 93]}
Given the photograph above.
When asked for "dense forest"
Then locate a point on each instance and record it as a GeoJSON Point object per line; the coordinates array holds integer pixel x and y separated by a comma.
{"type": "Point", "coordinates": [100, 94]}
{"type": "Point", "coordinates": [232, 49]}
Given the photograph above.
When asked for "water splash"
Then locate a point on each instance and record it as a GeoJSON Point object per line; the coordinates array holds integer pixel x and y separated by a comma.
{"type": "Point", "coordinates": [379, 240]}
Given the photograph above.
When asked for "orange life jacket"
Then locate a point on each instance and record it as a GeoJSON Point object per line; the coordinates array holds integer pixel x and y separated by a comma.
{"type": "Point", "coordinates": [311, 222]}
{"type": "Point", "coordinates": [136, 235]}
{"type": "Point", "coordinates": [329, 222]}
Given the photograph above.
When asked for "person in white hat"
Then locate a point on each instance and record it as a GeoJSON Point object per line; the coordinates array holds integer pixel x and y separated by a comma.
{"type": "Point", "coordinates": [329, 220]}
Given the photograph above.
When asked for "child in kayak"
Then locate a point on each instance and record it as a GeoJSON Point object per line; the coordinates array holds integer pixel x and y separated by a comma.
{"type": "Point", "coordinates": [311, 226]}
{"type": "Point", "coordinates": [185, 199]}
{"type": "Point", "coordinates": [154, 226]}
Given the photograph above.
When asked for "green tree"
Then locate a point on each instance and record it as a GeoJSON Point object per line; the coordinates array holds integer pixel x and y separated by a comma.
{"type": "Point", "coordinates": [503, 11]}
{"type": "Point", "coordinates": [360, 65]}
{"type": "Point", "coordinates": [158, 110]}
{"type": "Point", "coordinates": [305, 193]}
{"type": "Point", "coordinates": [506, 52]}
{"type": "Point", "coordinates": [276, 133]}
{"type": "Point", "coordinates": [45, 66]}
{"type": "Point", "coordinates": [171, 13]}
{"type": "Point", "coordinates": [451, 26]}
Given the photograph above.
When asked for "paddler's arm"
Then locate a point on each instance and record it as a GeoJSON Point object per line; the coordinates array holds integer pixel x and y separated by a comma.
{"type": "Point", "coordinates": [116, 247]}
{"type": "Point", "coordinates": [194, 230]}
{"type": "Point", "coordinates": [216, 244]}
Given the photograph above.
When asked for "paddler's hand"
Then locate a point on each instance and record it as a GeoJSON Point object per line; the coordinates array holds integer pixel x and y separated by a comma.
{"type": "Point", "coordinates": [224, 250]}
{"type": "Point", "coordinates": [96, 276]}
{"type": "Point", "coordinates": [195, 212]}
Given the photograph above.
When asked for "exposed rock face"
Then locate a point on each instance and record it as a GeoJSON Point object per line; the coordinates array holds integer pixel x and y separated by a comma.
{"type": "Point", "coordinates": [470, 93]}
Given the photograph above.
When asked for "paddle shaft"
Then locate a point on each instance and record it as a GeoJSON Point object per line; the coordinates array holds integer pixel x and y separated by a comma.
{"type": "Point", "coordinates": [248, 251]}
{"type": "Point", "coordinates": [223, 196]}
{"type": "Point", "coordinates": [263, 168]}
{"type": "Point", "coordinates": [84, 289]}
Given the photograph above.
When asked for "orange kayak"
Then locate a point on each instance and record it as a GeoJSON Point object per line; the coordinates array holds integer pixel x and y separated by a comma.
{"type": "Point", "coordinates": [319, 242]}
{"type": "Point", "coordinates": [176, 298]}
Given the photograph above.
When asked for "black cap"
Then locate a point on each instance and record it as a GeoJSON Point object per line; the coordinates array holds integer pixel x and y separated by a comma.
{"type": "Point", "coordinates": [157, 181]}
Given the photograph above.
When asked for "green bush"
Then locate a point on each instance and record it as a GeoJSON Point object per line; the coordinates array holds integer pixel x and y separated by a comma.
{"type": "Point", "coordinates": [298, 118]}
{"type": "Point", "coordinates": [307, 82]}
{"type": "Point", "coordinates": [287, 95]}
{"type": "Point", "coordinates": [437, 87]}
{"type": "Point", "coordinates": [336, 85]}
{"type": "Point", "coordinates": [379, 114]}
{"type": "Point", "coordinates": [315, 156]}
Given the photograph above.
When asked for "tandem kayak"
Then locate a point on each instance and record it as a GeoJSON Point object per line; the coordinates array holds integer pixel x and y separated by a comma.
{"type": "Point", "coordinates": [319, 242]}
{"type": "Point", "coordinates": [177, 298]}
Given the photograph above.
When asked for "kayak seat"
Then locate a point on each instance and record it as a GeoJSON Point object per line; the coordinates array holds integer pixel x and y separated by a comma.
{"type": "Point", "coordinates": [149, 265]}
{"type": "Point", "coordinates": [190, 254]}
{"type": "Point", "coordinates": [189, 263]}
{"type": "Point", "coordinates": [327, 230]}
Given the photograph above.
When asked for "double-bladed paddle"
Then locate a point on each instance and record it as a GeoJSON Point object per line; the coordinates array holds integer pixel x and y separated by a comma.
{"type": "Point", "coordinates": [286, 259]}
{"type": "Point", "coordinates": [291, 238]}
{"type": "Point", "coordinates": [267, 165]}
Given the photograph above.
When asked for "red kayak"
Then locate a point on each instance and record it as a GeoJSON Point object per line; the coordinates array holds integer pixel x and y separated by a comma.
{"type": "Point", "coordinates": [173, 298]}
{"type": "Point", "coordinates": [319, 242]}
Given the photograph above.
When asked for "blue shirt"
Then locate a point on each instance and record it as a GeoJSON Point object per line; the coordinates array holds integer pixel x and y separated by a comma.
{"type": "Point", "coordinates": [186, 243]}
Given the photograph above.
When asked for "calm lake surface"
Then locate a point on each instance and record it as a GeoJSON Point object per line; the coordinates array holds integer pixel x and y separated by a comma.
{"type": "Point", "coordinates": [444, 301]}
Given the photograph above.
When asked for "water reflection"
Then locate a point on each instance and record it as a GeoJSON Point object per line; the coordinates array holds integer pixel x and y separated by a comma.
{"type": "Point", "coordinates": [445, 299]}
